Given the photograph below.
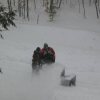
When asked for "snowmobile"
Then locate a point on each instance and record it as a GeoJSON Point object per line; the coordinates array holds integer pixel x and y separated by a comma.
{"type": "Point", "coordinates": [37, 62]}
{"type": "Point", "coordinates": [48, 59]}
{"type": "Point", "coordinates": [43, 56]}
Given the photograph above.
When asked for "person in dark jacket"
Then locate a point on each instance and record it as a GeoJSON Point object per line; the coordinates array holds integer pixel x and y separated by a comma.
{"type": "Point", "coordinates": [48, 53]}
{"type": "Point", "coordinates": [37, 56]}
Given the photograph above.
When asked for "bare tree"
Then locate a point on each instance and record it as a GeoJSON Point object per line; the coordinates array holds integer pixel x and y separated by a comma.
{"type": "Point", "coordinates": [66, 1]}
{"type": "Point", "coordinates": [27, 8]}
{"type": "Point", "coordinates": [35, 4]}
{"type": "Point", "coordinates": [14, 2]}
{"type": "Point", "coordinates": [83, 8]}
{"type": "Point", "coordinates": [9, 5]}
{"type": "Point", "coordinates": [24, 8]}
{"type": "Point", "coordinates": [38, 19]}
{"type": "Point", "coordinates": [70, 3]}
{"type": "Point", "coordinates": [96, 6]}
{"type": "Point", "coordinates": [79, 5]}
{"type": "Point", "coordinates": [90, 2]}
{"type": "Point", "coordinates": [60, 3]}
{"type": "Point", "coordinates": [19, 7]}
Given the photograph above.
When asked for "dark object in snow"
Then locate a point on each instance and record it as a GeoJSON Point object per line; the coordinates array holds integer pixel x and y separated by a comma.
{"type": "Point", "coordinates": [0, 70]}
{"type": "Point", "coordinates": [1, 36]}
{"type": "Point", "coordinates": [68, 80]}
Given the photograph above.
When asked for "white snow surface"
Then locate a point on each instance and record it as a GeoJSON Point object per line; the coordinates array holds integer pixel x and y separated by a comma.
{"type": "Point", "coordinates": [77, 51]}
{"type": "Point", "coordinates": [76, 42]}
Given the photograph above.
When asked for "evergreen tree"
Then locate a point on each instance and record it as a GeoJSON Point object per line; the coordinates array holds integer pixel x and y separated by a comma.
{"type": "Point", "coordinates": [6, 18]}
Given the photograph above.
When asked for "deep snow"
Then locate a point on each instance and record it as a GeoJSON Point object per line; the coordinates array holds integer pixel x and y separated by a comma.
{"type": "Point", "coordinates": [76, 42]}
{"type": "Point", "coordinates": [77, 51]}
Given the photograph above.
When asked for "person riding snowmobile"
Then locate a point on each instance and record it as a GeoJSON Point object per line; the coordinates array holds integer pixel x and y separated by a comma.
{"type": "Point", "coordinates": [48, 54]}
{"type": "Point", "coordinates": [37, 56]}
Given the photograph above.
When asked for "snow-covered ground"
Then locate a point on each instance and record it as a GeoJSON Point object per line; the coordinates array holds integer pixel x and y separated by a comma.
{"type": "Point", "coordinates": [77, 51]}
{"type": "Point", "coordinates": [76, 42]}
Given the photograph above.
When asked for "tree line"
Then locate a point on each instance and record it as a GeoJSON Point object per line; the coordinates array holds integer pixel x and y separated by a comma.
{"type": "Point", "coordinates": [22, 9]}
{"type": "Point", "coordinates": [51, 6]}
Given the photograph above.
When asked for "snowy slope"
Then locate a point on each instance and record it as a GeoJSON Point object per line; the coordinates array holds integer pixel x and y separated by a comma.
{"type": "Point", "coordinates": [77, 51]}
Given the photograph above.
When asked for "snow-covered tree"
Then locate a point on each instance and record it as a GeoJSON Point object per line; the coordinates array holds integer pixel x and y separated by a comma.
{"type": "Point", "coordinates": [6, 18]}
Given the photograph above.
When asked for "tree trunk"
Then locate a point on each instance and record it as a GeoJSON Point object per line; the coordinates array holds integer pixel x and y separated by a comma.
{"type": "Point", "coordinates": [14, 2]}
{"type": "Point", "coordinates": [24, 8]}
{"type": "Point", "coordinates": [34, 4]}
{"type": "Point", "coordinates": [19, 8]}
{"type": "Point", "coordinates": [97, 11]}
{"type": "Point", "coordinates": [83, 7]}
{"type": "Point", "coordinates": [79, 5]}
{"type": "Point", "coordinates": [60, 3]}
{"type": "Point", "coordinates": [9, 5]}
{"type": "Point", "coordinates": [89, 2]}
{"type": "Point", "coordinates": [51, 6]}
{"type": "Point", "coordinates": [28, 9]}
